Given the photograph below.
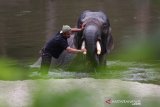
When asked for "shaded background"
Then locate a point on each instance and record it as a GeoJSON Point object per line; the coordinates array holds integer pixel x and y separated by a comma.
{"type": "Point", "coordinates": [25, 25]}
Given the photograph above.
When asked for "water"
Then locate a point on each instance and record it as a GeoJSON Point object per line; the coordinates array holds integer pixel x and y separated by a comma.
{"type": "Point", "coordinates": [127, 71]}
{"type": "Point", "coordinates": [26, 25]}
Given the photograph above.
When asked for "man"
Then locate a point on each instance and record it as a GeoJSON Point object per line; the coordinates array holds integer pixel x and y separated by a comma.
{"type": "Point", "coordinates": [56, 46]}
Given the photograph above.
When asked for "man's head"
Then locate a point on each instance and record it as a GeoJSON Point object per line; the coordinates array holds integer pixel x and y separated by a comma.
{"type": "Point", "coordinates": [66, 30]}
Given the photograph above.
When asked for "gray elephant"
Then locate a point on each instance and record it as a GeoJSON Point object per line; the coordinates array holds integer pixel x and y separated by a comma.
{"type": "Point", "coordinates": [96, 36]}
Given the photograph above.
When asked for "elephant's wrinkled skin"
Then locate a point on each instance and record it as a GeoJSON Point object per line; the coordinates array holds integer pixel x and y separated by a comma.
{"type": "Point", "coordinates": [96, 28]}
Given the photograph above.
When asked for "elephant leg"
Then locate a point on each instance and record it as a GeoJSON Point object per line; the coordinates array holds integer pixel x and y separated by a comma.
{"type": "Point", "coordinates": [103, 59]}
{"type": "Point", "coordinates": [110, 44]}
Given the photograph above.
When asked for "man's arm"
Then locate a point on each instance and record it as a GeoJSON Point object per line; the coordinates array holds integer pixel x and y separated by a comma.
{"type": "Point", "coordinates": [77, 29]}
{"type": "Point", "coordinates": [73, 50]}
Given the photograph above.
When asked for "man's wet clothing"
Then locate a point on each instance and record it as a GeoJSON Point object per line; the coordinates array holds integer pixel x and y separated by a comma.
{"type": "Point", "coordinates": [56, 45]}
{"type": "Point", "coordinates": [53, 48]}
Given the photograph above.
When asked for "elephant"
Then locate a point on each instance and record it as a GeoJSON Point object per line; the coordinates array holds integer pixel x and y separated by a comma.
{"type": "Point", "coordinates": [96, 36]}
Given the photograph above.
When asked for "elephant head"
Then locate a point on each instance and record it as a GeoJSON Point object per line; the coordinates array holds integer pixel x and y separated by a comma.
{"type": "Point", "coordinates": [96, 36]}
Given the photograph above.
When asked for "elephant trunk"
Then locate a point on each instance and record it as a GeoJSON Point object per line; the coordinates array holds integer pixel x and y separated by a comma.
{"type": "Point", "coordinates": [93, 48]}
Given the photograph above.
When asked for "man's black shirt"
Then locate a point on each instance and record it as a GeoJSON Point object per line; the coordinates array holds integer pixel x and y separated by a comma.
{"type": "Point", "coordinates": [56, 45]}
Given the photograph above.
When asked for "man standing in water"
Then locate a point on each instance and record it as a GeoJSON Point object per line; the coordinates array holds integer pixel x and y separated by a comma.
{"type": "Point", "coordinates": [56, 46]}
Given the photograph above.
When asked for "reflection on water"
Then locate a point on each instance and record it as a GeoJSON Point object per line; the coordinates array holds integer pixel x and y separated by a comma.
{"type": "Point", "coordinates": [127, 71]}
{"type": "Point", "coordinates": [141, 74]}
{"type": "Point", "coordinates": [60, 74]}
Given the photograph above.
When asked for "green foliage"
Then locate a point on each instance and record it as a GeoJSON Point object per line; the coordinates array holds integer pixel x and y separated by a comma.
{"type": "Point", "coordinates": [10, 70]}
{"type": "Point", "coordinates": [73, 98]}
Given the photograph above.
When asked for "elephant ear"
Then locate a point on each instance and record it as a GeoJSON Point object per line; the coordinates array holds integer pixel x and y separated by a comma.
{"type": "Point", "coordinates": [78, 39]}
{"type": "Point", "coordinates": [107, 39]}
{"type": "Point", "coordinates": [110, 43]}
{"type": "Point", "coordinates": [78, 35]}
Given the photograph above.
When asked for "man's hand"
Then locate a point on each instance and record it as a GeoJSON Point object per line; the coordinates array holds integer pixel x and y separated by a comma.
{"type": "Point", "coordinates": [73, 50]}
{"type": "Point", "coordinates": [84, 51]}
{"type": "Point", "coordinates": [83, 26]}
